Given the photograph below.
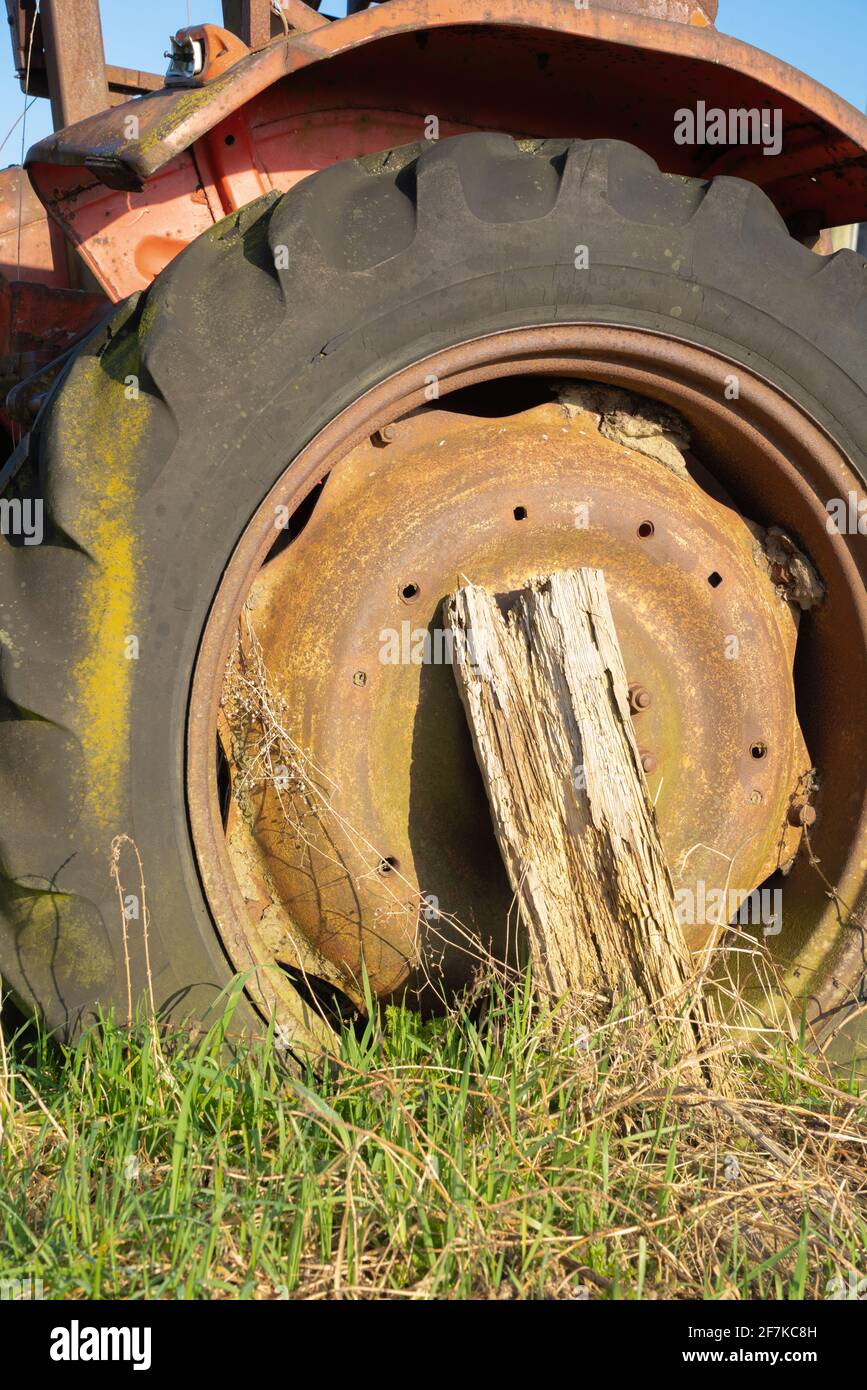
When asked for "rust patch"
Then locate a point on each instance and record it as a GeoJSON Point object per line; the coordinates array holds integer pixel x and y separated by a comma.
{"type": "Point", "coordinates": [501, 500]}
{"type": "Point", "coordinates": [767, 451]}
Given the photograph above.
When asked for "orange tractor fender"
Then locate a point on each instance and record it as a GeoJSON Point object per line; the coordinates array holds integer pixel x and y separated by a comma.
{"type": "Point", "coordinates": [134, 185]}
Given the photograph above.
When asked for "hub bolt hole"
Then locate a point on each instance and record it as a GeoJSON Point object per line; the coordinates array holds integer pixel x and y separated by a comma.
{"type": "Point", "coordinates": [360, 678]}
{"type": "Point", "coordinates": [759, 750]}
{"type": "Point", "coordinates": [387, 866]}
{"type": "Point", "coordinates": [409, 592]}
{"type": "Point", "coordinates": [646, 530]}
{"type": "Point", "coordinates": [520, 513]}
{"type": "Point", "coordinates": [714, 580]}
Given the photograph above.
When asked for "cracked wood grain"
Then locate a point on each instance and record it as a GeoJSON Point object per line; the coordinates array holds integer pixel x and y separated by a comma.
{"type": "Point", "coordinates": [542, 681]}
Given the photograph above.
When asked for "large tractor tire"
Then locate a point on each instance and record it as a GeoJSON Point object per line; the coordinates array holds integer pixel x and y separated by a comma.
{"type": "Point", "coordinates": [411, 327]}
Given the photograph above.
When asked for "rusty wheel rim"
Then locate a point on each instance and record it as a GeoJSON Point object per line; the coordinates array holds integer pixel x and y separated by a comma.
{"type": "Point", "coordinates": [783, 468]}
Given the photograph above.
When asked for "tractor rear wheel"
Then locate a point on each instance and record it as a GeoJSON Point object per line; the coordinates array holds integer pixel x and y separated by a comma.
{"type": "Point", "coordinates": [264, 475]}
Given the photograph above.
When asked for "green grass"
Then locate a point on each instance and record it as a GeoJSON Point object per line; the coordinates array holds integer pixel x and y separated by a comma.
{"type": "Point", "coordinates": [501, 1152]}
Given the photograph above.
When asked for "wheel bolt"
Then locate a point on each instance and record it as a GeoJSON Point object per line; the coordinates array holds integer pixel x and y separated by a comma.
{"type": "Point", "coordinates": [639, 698]}
{"type": "Point", "coordinates": [648, 762]}
{"type": "Point", "coordinates": [386, 435]}
{"type": "Point", "coordinates": [802, 814]}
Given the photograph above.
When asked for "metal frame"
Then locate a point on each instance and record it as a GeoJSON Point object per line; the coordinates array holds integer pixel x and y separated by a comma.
{"type": "Point", "coordinates": [59, 53]}
{"type": "Point", "coordinates": [256, 22]}
{"type": "Point", "coordinates": [74, 60]}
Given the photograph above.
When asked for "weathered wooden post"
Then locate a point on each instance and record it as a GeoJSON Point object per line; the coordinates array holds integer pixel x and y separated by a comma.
{"type": "Point", "coordinates": [544, 687]}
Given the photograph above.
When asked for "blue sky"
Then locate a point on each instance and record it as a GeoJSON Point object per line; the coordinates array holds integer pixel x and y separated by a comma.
{"type": "Point", "coordinates": [828, 41]}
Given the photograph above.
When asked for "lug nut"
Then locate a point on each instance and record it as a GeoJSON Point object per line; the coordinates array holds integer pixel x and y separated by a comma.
{"type": "Point", "coordinates": [386, 435]}
{"type": "Point", "coordinates": [639, 698]}
{"type": "Point", "coordinates": [802, 814]}
{"type": "Point", "coordinates": [648, 762]}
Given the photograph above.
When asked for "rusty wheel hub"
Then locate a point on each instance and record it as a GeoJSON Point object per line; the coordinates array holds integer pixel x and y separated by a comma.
{"type": "Point", "coordinates": [359, 832]}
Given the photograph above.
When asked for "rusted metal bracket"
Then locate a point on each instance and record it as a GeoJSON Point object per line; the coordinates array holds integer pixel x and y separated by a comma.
{"type": "Point", "coordinates": [25, 28]}
{"type": "Point", "coordinates": [78, 65]}
{"type": "Point", "coordinates": [124, 83]}
{"type": "Point", "coordinates": [299, 15]}
{"type": "Point", "coordinates": [251, 20]}
{"type": "Point", "coordinates": [74, 60]}
{"type": "Point", "coordinates": [257, 22]}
